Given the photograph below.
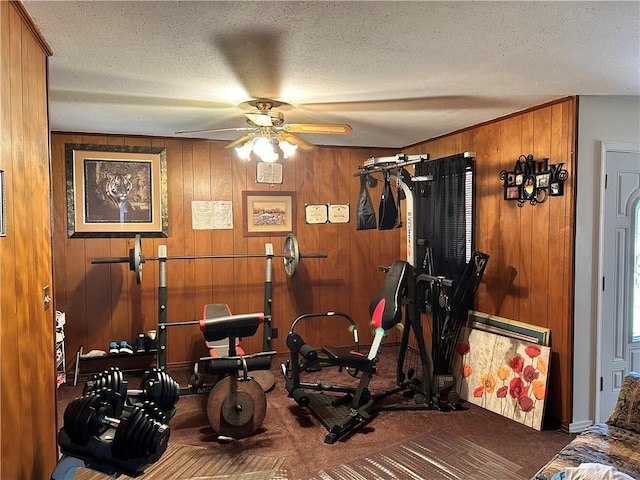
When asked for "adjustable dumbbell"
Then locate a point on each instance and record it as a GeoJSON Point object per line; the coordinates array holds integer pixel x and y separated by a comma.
{"type": "Point", "coordinates": [137, 435]}
{"type": "Point", "coordinates": [157, 386]}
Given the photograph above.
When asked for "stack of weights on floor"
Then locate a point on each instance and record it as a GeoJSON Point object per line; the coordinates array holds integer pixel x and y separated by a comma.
{"type": "Point", "coordinates": [115, 430]}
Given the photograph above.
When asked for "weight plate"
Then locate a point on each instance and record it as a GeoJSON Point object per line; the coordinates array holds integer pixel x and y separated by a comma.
{"type": "Point", "coordinates": [145, 428]}
{"type": "Point", "coordinates": [240, 391]}
{"type": "Point", "coordinates": [166, 394]}
{"type": "Point", "coordinates": [237, 408]}
{"type": "Point", "coordinates": [127, 442]}
{"type": "Point", "coordinates": [265, 378]}
{"type": "Point", "coordinates": [291, 255]}
{"type": "Point", "coordinates": [136, 259]}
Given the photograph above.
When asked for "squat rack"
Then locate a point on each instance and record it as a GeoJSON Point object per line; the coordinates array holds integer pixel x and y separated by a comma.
{"type": "Point", "coordinates": [291, 256]}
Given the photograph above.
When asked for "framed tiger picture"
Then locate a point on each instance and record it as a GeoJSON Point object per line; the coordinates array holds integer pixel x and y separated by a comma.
{"type": "Point", "coordinates": [116, 191]}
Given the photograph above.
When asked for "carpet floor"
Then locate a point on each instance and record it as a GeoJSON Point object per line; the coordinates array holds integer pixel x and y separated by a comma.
{"type": "Point", "coordinates": [437, 455]}
{"type": "Point", "coordinates": [185, 462]}
{"type": "Point", "coordinates": [293, 438]}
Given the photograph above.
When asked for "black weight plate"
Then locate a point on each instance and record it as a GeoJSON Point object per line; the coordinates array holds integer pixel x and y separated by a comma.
{"type": "Point", "coordinates": [147, 436]}
{"type": "Point", "coordinates": [137, 436]}
{"type": "Point", "coordinates": [163, 390]}
{"type": "Point", "coordinates": [119, 379]}
{"type": "Point", "coordinates": [118, 444]}
{"type": "Point", "coordinates": [83, 431]}
{"type": "Point", "coordinates": [121, 444]}
{"type": "Point", "coordinates": [70, 418]}
{"type": "Point", "coordinates": [173, 392]}
{"type": "Point", "coordinates": [134, 425]}
{"type": "Point", "coordinates": [161, 395]}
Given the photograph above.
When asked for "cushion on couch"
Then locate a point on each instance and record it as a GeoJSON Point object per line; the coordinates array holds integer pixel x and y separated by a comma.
{"type": "Point", "coordinates": [627, 411]}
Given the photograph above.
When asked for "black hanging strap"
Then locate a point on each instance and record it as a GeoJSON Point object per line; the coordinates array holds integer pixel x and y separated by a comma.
{"type": "Point", "coordinates": [387, 212]}
{"type": "Point", "coordinates": [365, 213]}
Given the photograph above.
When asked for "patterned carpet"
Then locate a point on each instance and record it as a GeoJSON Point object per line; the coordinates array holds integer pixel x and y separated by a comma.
{"type": "Point", "coordinates": [182, 462]}
{"type": "Point", "coordinates": [437, 455]}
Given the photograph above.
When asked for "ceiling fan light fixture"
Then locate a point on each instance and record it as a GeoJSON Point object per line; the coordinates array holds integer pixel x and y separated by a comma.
{"type": "Point", "coordinates": [288, 149]}
{"type": "Point", "coordinates": [263, 147]}
{"type": "Point", "coordinates": [244, 150]}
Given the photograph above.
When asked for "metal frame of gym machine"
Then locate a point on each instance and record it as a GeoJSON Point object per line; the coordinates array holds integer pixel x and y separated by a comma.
{"type": "Point", "coordinates": [434, 390]}
{"type": "Point", "coordinates": [425, 398]}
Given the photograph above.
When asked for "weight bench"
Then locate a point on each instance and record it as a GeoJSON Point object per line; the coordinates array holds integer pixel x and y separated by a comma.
{"type": "Point", "coordinates": [341, 414]}
{"type": "Point", "coordinates": [237, 404]}
{"type": "Point", "coordinates": [222, 333]}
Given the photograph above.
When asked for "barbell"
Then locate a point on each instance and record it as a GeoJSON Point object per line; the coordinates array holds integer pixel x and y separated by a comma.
{"type": "Point", "coordinates": [291, 256]}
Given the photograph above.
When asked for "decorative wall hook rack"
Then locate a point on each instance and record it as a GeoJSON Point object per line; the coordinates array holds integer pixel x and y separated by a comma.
{"type": "Point", "coordinates": [533, 180]}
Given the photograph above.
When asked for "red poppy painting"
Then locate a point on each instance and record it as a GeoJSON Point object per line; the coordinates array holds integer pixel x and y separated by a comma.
{"type": "Point", "coordinates": [502, 374]}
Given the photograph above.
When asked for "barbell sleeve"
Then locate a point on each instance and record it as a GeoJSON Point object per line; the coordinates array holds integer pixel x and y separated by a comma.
{"type": "Point", "coordinates": [110, 260]}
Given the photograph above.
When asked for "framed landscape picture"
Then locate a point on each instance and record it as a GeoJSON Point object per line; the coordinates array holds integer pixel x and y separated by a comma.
{"type": "Point", "coordinates": [271, 213]}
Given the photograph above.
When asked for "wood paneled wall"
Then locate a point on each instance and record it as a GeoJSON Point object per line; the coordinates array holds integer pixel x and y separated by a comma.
{"type": "Point", "coordinates": [103, 303]}
{"type": "Point", "coordinates": [27, 355]}
{"type": "Point", "coordinates": [538, 241]}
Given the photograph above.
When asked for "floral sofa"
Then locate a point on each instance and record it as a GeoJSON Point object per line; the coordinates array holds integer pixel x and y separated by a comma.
{"type": "Point", "coordinates": [615, 442]}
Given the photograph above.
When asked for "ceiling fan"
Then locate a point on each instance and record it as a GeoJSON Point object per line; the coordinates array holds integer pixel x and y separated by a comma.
{"type": "Point", "coordinates": [269, 124]}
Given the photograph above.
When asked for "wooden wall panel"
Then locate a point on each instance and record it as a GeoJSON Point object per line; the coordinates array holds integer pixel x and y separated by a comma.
{"type": "Point", "coordinates": [27, 353]}
{"type": "Point", "coordinates": [535, 240]}
{"type": "Point", "coordinates": [103, 302]}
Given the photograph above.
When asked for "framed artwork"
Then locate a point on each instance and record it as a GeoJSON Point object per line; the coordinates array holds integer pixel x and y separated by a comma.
{"type": "Point", "coordinates": [116, 191]}
{"type": "Point", "coordinates": [3, 205]}
{"type": "Point", "coordinates": [503, 374]}
{"type": "Point", "coordinates": [268, 213]}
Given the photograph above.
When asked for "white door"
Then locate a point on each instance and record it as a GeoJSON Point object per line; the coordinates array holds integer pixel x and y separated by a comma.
{"type": "Point", "coordinates": [619, 298]}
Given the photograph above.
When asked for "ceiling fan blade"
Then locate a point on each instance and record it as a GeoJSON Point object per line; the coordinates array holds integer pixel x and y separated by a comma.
{"type": "Point", "coordinates": [255, 58]}
{"type": "Point", "coordinates": [446, 102]}
{"type": "Point", "coordinates": [123, 99]}
{"type": "Point", "coordinates": [215, 130]}
{"type": "Point", "coordinates": [321, 128]}
{"type": "Point", "coordinates": [241, 139]}
{"type": "Point", "coordinates": [291, 138]}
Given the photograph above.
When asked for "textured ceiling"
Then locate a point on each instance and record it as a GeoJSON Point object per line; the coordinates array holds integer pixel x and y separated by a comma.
{"type": "Point", "coordinates": [397, 72]}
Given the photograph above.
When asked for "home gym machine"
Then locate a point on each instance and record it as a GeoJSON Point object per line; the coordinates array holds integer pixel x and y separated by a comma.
{"type": "Point", "coordinates": [236, 405]}
{"type": "Point", "coordinates": [405, 288]}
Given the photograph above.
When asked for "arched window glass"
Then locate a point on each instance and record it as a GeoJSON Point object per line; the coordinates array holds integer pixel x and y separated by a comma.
{"type": "Point", "coordinates": [635, 311]}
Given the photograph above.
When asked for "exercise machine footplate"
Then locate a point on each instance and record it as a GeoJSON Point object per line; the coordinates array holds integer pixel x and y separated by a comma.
{"type": "Point", "coordinates": [337, 419]}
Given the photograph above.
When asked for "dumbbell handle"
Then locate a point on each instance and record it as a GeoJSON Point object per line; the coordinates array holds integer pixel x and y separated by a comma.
{"type": "Point", "coordinates": [110, 421]}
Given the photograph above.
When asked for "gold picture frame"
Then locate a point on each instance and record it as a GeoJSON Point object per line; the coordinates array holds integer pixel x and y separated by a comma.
{"type": "Point", "coordinates": [116, 191]}
{"type": "Point", "coordinates": [271, 213]}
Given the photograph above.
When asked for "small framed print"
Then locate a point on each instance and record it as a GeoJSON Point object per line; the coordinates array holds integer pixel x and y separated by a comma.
{"type": "Point", "coordinates": [511, 193]}
{"type": "Point", "coordinates": [269, 172]}
{"type": "Point", "coordinates": [270, 213]}
{"type": "Point", "coordinates": [314, 214]}
{"type": "Point", "coordinates": [542, 181]}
